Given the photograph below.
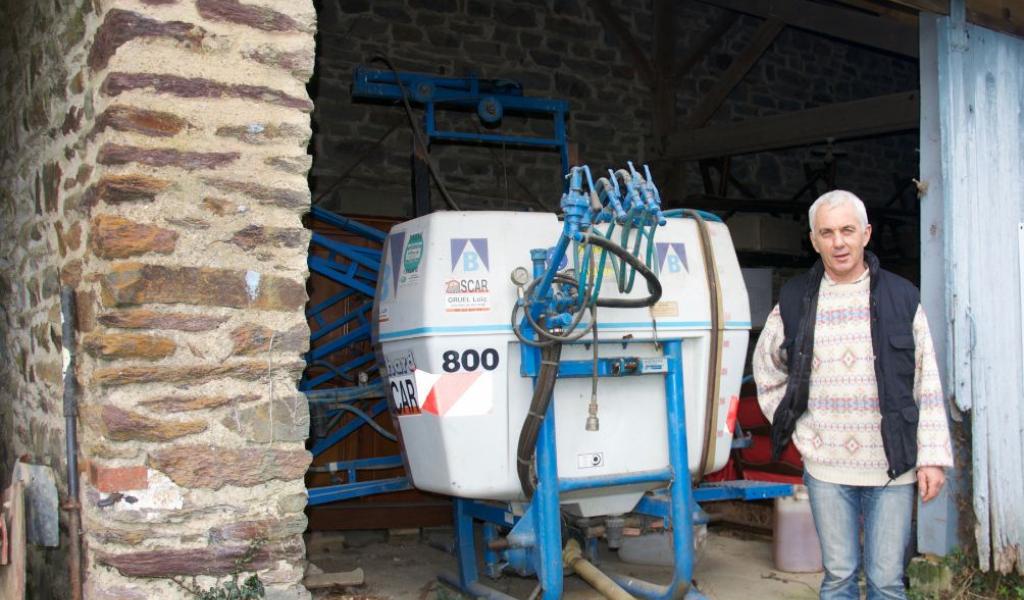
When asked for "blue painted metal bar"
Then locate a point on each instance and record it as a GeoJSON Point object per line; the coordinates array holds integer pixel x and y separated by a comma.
{"type": "Point", "coordinates": [326, 268]}
{"type": "Point", "coordinates": [546, 508]}
{"type": "Point", "coordinates": [347, 224]}
{"type": "Point", "coordinates": [361, 332]}
{"type": "Point", "coordinates": [376, 462]}
{"type": "Point", "coordinates": [606, 367]}
{"type": "Point", "coordinates": [742, 490]}
{"type": "Point", "coordinates": [461, 136]}
{"type": "Point", "coordinates": [464, 543]}
{"type": "Point", "coordinates": [348, 491]}
{"type": "Point", "coordinates": [464, 92]}
{"type": "Point", "coordinates": [680, 494]}
{"type": "Point", "coordinates": [490, 99]}
{"type": "Point", "coordinates": [339, 434]}
{"type": "Point", "coordinates": [571, 484]}
{"type": "Point", "coordinates": [336, 298]}
{"type": "Point", "coordinates": [360, 311]}
{"type": "Point", "coordinates": [368, 257]}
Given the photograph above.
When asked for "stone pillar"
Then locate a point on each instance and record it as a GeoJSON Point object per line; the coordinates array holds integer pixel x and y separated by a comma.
{"type": "Point", "coordinates": [166, 185]}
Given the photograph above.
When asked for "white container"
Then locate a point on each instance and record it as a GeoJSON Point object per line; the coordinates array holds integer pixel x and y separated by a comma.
{"type": "Point", "coordinates": [795, 546]}
{"type": "Point", "coordinates": [453, 364]}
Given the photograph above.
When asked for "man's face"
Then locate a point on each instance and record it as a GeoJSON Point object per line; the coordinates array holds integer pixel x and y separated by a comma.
{"type": "Point", "coordinates": [840, 240]}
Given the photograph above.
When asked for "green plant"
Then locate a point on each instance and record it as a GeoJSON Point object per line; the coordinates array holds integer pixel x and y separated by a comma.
{"type": "Point", "coordinates": [251, 589]}
{"type": "Point", "coordinates": [971, 583]}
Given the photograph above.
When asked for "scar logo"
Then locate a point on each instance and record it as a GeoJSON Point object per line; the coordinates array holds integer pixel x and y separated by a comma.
{"type": "Point", "coordinates": [470, 253]}
{"type": "Point", "coordinates": [673, 256]}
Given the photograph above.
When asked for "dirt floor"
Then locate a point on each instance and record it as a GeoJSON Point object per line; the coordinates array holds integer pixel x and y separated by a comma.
{"type": "Point", "coordinates": [730, 566]}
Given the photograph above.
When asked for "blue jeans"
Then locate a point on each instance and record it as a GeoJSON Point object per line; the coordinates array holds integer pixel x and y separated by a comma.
{"type": "Point", "coordinates": [886, 513]}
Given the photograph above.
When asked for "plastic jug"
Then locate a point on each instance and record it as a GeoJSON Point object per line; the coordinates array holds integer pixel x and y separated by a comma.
{"type": "Point", "coordinates": [795, 546]}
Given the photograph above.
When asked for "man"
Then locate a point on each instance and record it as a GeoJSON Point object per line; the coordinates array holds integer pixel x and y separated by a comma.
{"type": "Point", "coordinates": [845, 368]}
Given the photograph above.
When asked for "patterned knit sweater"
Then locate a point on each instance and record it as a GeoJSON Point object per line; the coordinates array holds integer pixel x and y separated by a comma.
{"type": "Point", "coordinates": [840, 436]}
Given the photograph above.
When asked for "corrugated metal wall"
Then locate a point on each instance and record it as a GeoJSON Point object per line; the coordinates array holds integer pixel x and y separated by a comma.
{"type": "Point", "coordinates": [980, 94]}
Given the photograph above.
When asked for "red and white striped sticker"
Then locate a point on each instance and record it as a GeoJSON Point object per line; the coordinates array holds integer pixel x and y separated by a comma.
{"type": "Point", "coordinates": [455, 394]}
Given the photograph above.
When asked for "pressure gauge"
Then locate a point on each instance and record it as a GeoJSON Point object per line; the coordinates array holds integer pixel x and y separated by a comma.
{"type": "Point", "coordinates": [520, 276]}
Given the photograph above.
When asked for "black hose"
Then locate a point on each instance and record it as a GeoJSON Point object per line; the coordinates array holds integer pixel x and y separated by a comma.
{"type": "Point", "coordinates": [417, 133]}
{"type": "Point", "coordinates": [653, 285]}
{"type": "Point", "coordinates": [542, 391]}
{"type": "Point", "coordinates": [551, 353]}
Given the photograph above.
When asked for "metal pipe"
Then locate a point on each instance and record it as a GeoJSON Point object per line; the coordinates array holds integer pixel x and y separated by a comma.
{"type": "Point", "coordinates": [573, 558]}
{"type": "Point", "coordinates": [67, 315]}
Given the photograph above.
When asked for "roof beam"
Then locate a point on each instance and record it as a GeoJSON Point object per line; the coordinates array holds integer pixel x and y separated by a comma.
{"type": "Point", "coordinates": [849, 25]}
{"type": "Point", "coordinates": [763, 37]}
{"type": "Point", "coordinates": [939, 7]}
{"type": "Point", "coordinates": [1001, 15]}
{"type": "Point", "coordinates": [860, 118]}
{"type": "Point", "coordinates": [898, 12]}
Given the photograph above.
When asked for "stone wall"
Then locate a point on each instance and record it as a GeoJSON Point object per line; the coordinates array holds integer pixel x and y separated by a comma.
{"type": "Point", "coordinates": [43, 116]}
{"type": "Point", "coordinates": [155, 159]}
{"type": "Point", "coordinates": [558, 48]}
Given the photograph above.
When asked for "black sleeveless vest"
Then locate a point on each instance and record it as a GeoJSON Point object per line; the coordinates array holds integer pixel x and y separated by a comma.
{"type": "Point", "coordinates": [894, 302]}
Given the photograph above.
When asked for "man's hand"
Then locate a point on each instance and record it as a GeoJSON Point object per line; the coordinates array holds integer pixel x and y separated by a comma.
{"type": "Point", "coordinates": [929, 481]}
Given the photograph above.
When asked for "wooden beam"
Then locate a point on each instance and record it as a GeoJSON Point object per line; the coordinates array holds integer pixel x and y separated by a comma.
{"type": "Point", "coordinates": [781, 206]}
{"type": "Point", "coordinates": [939, 7]}
{"type": "Point", "coordinates": [707, 40]}
{"type": "Point", "coordinates": [610, 18]}
{"type": "Point", "coordinates": [763, 37]}
{"type": "Point", "coordinates": [860, 118]}
{"type": "Point", "coordinates": [1006, 16]}
{"type": "Point", "coordinates": [898, 12]}
{"type": "Point", "coordinates": [841, 23]}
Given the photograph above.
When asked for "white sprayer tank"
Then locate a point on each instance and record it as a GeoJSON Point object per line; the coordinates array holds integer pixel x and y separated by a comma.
{"type": "Point", "coordinates": [444, 303]}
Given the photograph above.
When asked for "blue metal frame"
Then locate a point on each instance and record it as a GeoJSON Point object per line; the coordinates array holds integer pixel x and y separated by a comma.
{"type": "Point", "coordinates": [491, 99]}
{"type": "Point", "coordinates": [355, 269]}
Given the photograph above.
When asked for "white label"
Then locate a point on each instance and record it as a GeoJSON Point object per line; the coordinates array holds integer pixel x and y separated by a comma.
{"type": "Point", "coordinates": [653, 365]}
{"type": "Point", "coordinates": [590, 460]}
{"type": "Point", "coordinates": [401, 363]}
{"type": "Point", "coordinates": [401, 369]}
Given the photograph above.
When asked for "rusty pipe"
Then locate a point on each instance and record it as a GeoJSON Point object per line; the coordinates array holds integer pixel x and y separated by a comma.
{"type": "Point", "coordinates": [67, 317]}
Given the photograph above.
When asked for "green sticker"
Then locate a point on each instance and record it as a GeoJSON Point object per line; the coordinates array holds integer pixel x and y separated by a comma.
{"type": "Point", "coordinates": [413, 253]}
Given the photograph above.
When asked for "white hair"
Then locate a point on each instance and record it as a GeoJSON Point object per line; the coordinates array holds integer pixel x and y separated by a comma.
{"type": "Point", "coordinates": [836, 198]}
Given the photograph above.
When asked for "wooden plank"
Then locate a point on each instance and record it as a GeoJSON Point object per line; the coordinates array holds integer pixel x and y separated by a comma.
{"type": "Point", "coordinates": [938, 520]}
{"type": "Point", "coordinates": [849, 25]}
{"type": "Point", "coordinates": [860, 118]}
{"type": "Point", "coordinates": [1006, 16]}
{"type": "Point", "coordinates": [342, 516]}
{"type": "Point", "coordinates": [900, 13]}
{"type": "Point", "coordinates": [610, 18]}
{"type": "Point", "coordinates": [980, 108]}
{"type": "Point", "coordinates": [763, 37]}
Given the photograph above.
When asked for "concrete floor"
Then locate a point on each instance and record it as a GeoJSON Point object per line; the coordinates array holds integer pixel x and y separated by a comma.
{"type": "Point", "coordinates": [731, 566]}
